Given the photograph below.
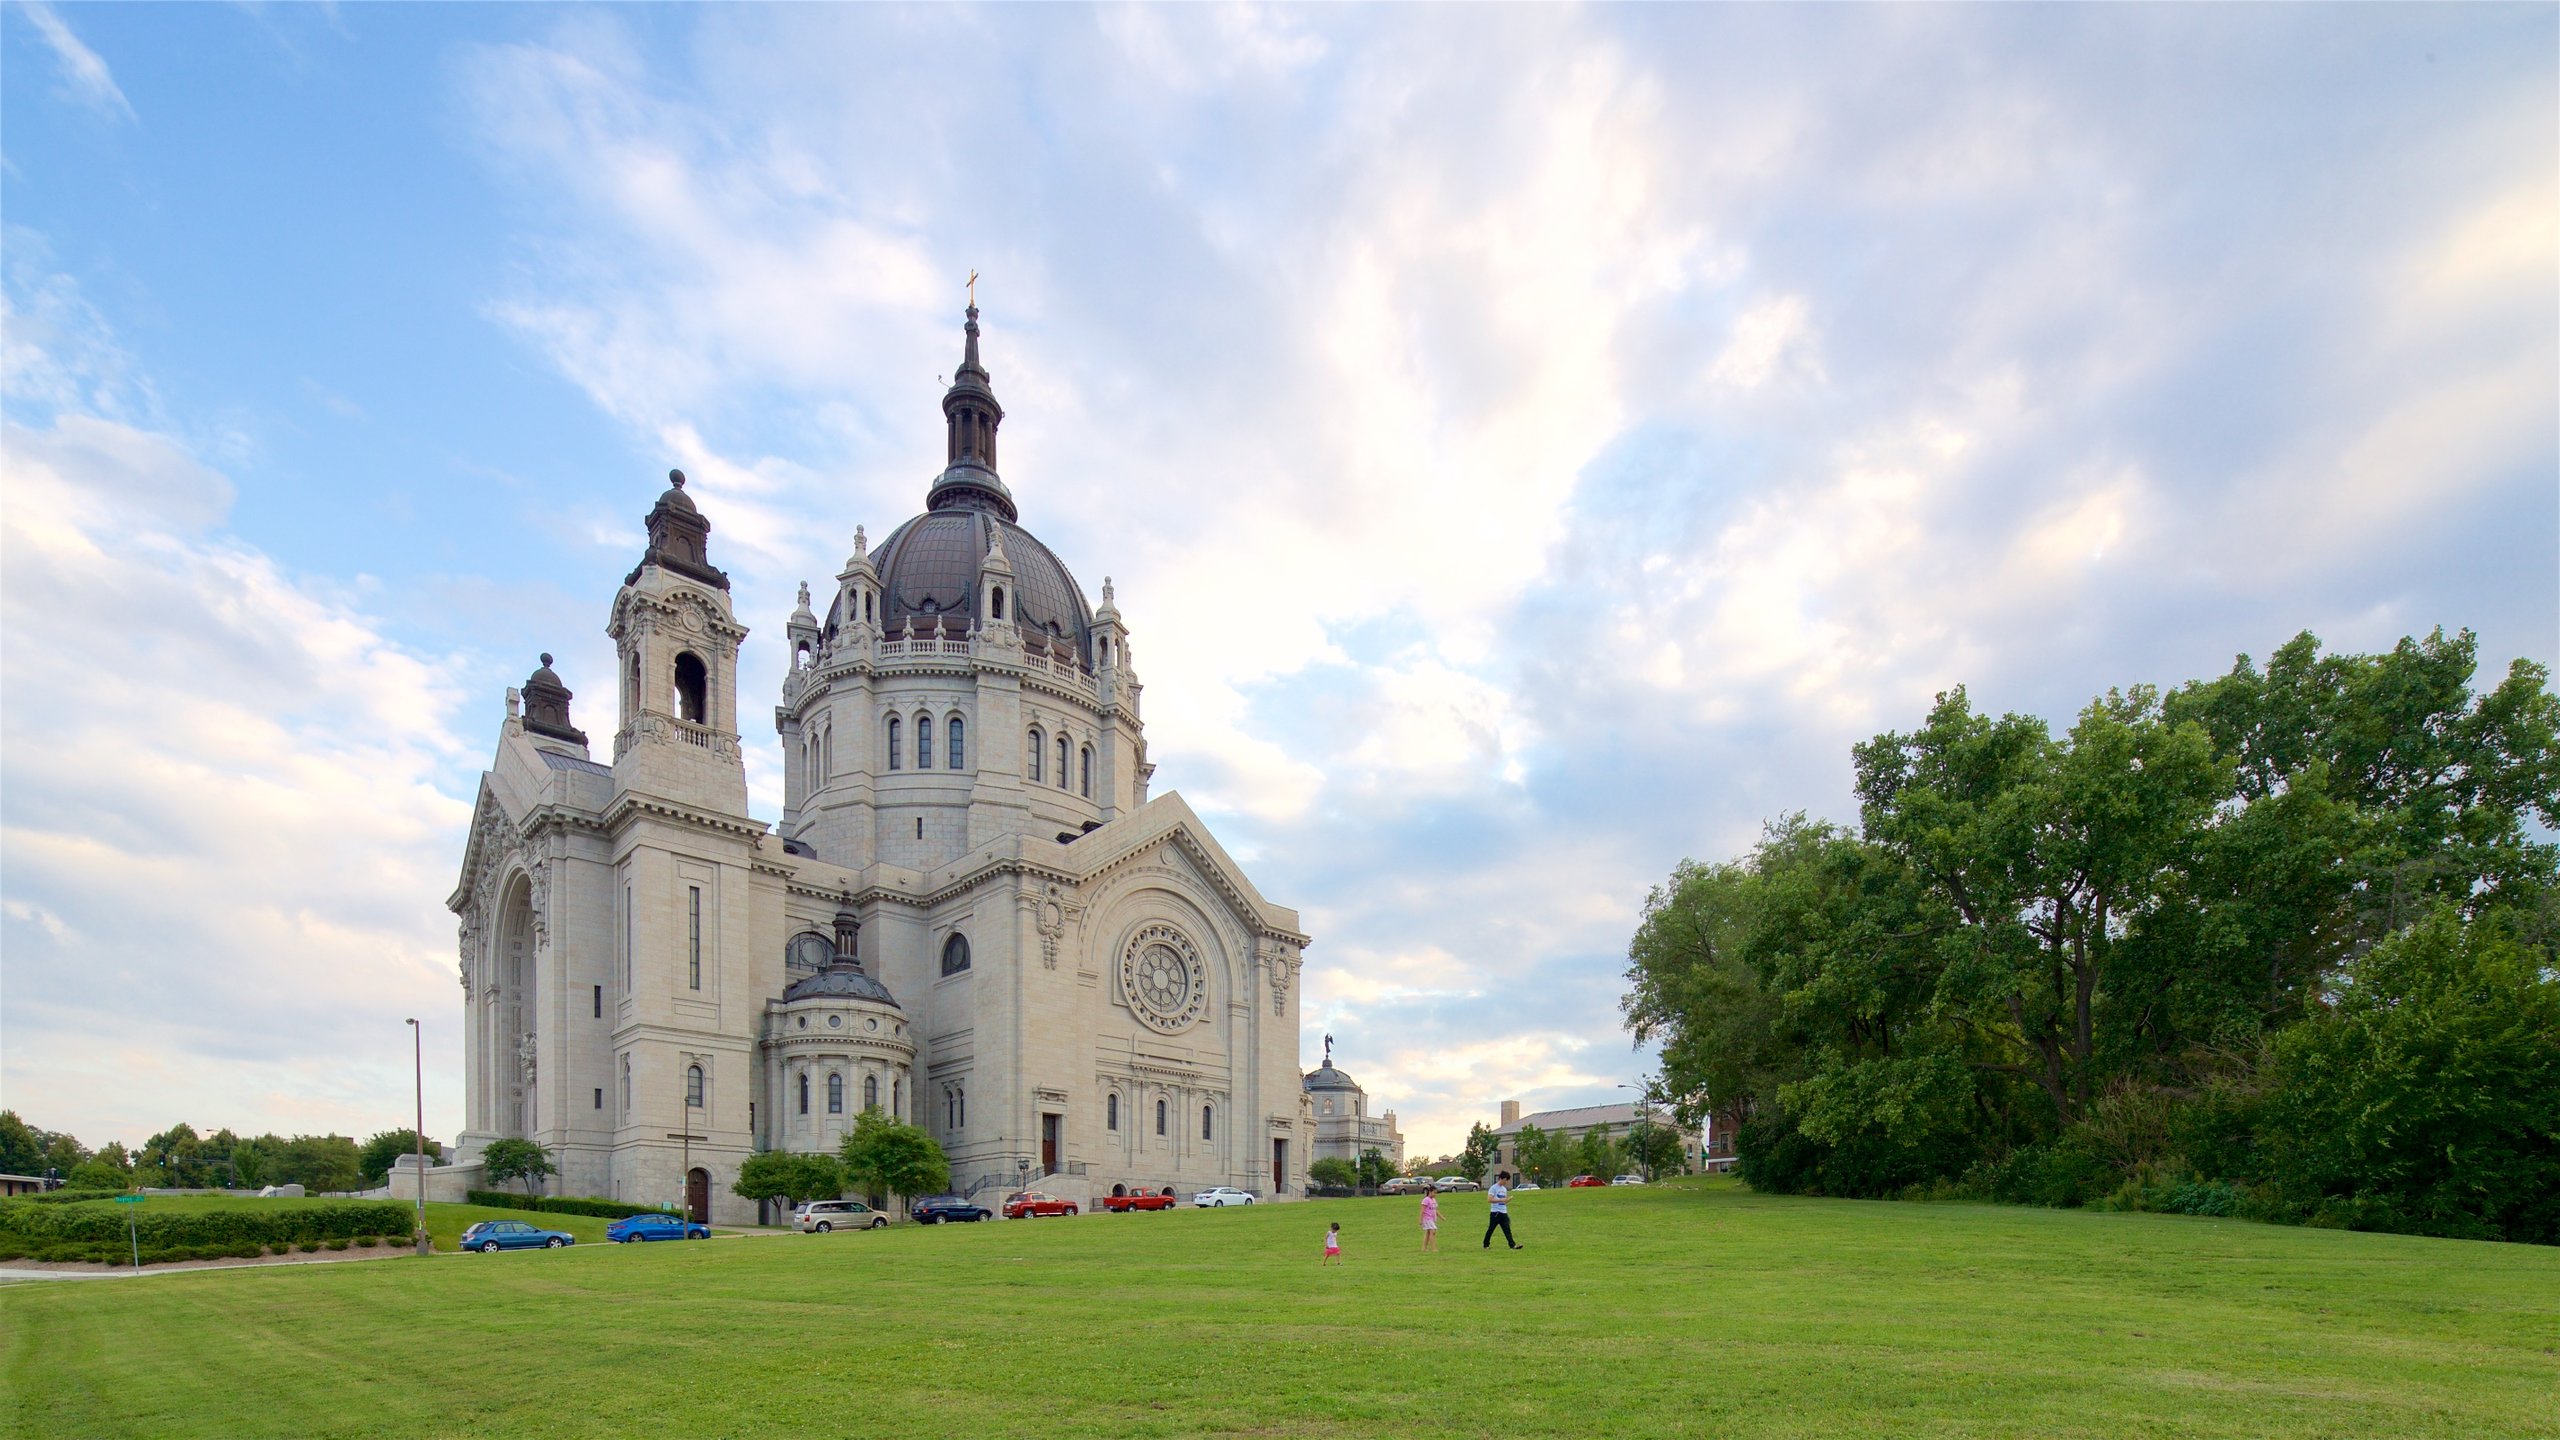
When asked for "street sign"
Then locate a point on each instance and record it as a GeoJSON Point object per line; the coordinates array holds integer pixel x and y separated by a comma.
{"type": "Point", "coordinates": [131, 1199]}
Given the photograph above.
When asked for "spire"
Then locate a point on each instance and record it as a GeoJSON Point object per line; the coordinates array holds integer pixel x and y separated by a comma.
{"type": "Point", "coordinates": [848, 935]}
{"type": "Point", "coordinates": [971, 417]}
{"type": "Point", "coordinates": [679, 537]}
{"type": "Point", "coordinates": [546, 706]}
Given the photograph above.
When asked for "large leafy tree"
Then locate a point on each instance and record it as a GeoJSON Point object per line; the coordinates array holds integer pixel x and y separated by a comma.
{"type": "Point", "coordinates": [516, 1159]}
{"type": "Point", "coordinates": [789, 1176]}
{"type": "Point", "coordinates": [380, 1153]}
{"type": "Point", "coordinates": [1374, 1168]}
{"type": "Point", "coordinates": [890, 1157]}
{"type": "Point", "coordinates": [1477, 1157]}
{"type": "Point", "coordinates": [1334, 1172]}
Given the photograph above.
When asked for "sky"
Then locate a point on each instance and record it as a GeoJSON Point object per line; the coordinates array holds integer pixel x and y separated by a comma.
{"type": "Point", "coordinates": [1531, 445]}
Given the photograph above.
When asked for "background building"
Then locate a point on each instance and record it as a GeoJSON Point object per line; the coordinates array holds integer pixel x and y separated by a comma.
{"type": "Point", "coordinates": [1343, 1126]}
{"type": "Point", "coordinates": [1621, 1121]}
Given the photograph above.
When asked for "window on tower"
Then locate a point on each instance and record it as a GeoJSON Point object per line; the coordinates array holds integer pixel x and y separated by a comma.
{"type": "Point", "coordinates": [1205, 1113]}
{"type": "Point", "coordinates": [1035, 754]}
{"type": "Point", "coordinates": [955, 954]}
{"type": "Point", "coordinates": [955, 753]}
{"type": "Point", "coordinates": [694, 908]}
{"type": "Point", "coordinates": [804, 1094]}
{"type": "Point", "coordinates": [1111, 1112]}
{"type": "Point", "coordinates": [1086, 771]}
{"type": "Point", "coordinates": [870, 1092]}
{"type": "Point", "coordinates": [924, 741]}
{"type": "Point", "coordinates": [1062, 762]}
{"type": "Point", "coordinates": [693, 1087]}
{"type": "Point", "coordinates": [693, 689]}
{"type": "Point", "coordinates": [1159, 1117]}
{"type": "Point", "coordinates": [835, 1094]}
{"type": "Point", "coordinates": [895, 759]}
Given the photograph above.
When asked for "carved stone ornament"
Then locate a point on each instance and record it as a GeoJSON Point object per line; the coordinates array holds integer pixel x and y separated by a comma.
{"type": "Point", "coordinates": [1284, 968]}
{"type": "Point", "coordinates": [1162, 980]}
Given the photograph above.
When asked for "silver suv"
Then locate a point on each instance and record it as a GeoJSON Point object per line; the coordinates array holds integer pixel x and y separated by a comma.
{"type": "Point", "coordinates": [820, 1216]}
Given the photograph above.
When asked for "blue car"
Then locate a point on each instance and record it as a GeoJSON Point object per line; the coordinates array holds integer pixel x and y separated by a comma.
{"type": "Point", "coordinates": [655, 1227]}
{"type": "Point", "coordinates": [491, 1236]}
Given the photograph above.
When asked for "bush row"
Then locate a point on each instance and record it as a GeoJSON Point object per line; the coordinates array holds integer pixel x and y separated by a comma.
{"type": "Point", "coordinates": [33, 1227]}
{"type": "Point", "coordinates": [566, 1204]}
{"type": "Point", "coordinates": [120, 1252]}
{"type": "Point", "coordinates": [70, 1197]}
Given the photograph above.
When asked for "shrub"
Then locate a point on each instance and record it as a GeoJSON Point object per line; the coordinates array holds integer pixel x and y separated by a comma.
{"type": "Point", "coordinates": [96, 1231]}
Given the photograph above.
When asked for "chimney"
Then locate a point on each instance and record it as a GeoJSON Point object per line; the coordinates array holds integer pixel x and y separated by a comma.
{"type": "Point", "coordinates": [1510, 1113]}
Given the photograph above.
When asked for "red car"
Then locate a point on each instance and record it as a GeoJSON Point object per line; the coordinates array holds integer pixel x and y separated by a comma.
{"type": "Point", "coordinates": [1578, 1181]}
{"type": "Point", "coordinates": [1029, 1203]}
{"type": "Point", "coordinates": [1142, 1200]}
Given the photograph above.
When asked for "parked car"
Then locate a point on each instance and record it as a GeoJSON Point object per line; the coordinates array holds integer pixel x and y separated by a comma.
{"type": "Point", "coordinates": [1139, 1200]}
{"type": "Point", "coordinates": [1456, 1182]}
{"type": "Point", "coordinates": [491, 1236]}
{"type": "Point", "coordinates": [1400, 1185]}
{"type": "Point", "coordinates": [1579, 1181]}
{"type": "Point", "coordinates": [820, 1216]}
{"type": "Point", "coordinates": [1031, 1204]}
{"type": "Point", "coordinates": [1222, 1197]}
{"type": "Point", "coordinates": [1527, 1185]}
{"type": "Point", "coordinates": [655, 1227]}
{"type": "Point", "coordinates": [1626, 1179]}
{"type": "Point", "coordinates": [935, 1209]}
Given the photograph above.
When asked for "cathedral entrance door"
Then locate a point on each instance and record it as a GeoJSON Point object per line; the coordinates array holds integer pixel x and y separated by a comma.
{"type": "Point", "coordinates": [1050, 1125]}
{"type": "Point", "coordinates": [1279, 1167]}
{"type": "Point", "coordinates": [697, 1195]}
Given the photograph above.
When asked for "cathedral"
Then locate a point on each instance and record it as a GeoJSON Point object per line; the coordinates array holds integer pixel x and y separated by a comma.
{"type": "Point", "coordinates": [972, 916]}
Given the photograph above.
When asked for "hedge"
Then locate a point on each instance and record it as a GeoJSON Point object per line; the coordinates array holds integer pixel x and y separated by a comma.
{"type": "Point", "coordinates": [70, 1197]}
{"type": "Point", "coordinates": [566, 1204]}
{"type": "Point", "coordinates": [97, 1230]}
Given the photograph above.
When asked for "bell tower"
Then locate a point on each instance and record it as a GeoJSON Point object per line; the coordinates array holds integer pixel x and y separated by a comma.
{"type": "Point", "coordinates": [676, 643]}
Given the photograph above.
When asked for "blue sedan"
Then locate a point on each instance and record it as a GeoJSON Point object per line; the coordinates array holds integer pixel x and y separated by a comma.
{"type": "Point", "coordinates": [491, 1236]}
{"type": "Point", "coordinates": [655, 1227]}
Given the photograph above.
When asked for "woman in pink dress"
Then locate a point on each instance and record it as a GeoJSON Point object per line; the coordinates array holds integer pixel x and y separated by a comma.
{"type": "Point", "coordinates": [1430, 1217]}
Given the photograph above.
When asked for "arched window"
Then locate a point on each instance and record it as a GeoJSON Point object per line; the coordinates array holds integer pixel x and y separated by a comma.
{"type": "Point", "coordinates": [1035, 753]}
{"type": "Point", "coordinates": [1111, 1112]}
{"type": "Point", "coordinates": [897, 1099]}
{"type": "Point", "coordinates": [956, 753]}
{"type": "Point", "coordinates": [631, 688]}
{"type": "Point", "coordinates": [626, 1085]}
{"type": "Point", "coordinates": [866, 607]}
{"type": "Point", "coordinates": [1205, 1113]}
{"type": "Point", "coordinates": [1062, 762]}
{"type": "Point", "coordinates": [693, 1087]}
{"type": "Point", "coordinates": [1087, 771]}
{"type": "Point", "coordinates": [826, 756]}
{"type": "Point", "coordinates": [924, 741]}
{"type": "Point", "coordinates": [955, 1107]}
{"type": "Point", "coordinates": [870, 1092]}
{"type": "Point", "coordinates": [835, 1094]}
{"type": "Point", "coordinates": [999, 606]}
{"type": "Point", "coordinates": [800, 656]}
{"type": "Point", "coordinates": [895, 759]}
{"type": "Point", "coordinates": [1159, 1117]}
{"type": "Point", "coordinates": [804, 1094]}
{"type": "Point", "coordinates": [693, 689]}
{"type": "Point", "coordinates": [955, 954]}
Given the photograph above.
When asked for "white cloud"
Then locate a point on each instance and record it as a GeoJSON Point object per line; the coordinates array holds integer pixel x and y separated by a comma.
{"type": "Point", "coordinates": [225, 848]}
{"type": "Point", "coordinates": [84, 76]}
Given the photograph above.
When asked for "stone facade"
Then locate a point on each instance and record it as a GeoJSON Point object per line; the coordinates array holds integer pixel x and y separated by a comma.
{"type": "Point", "coordinates": [1619, 1121]}
{"type": "Point", "coordinates": [972, 913]}
{"type": "Point", "coordinates": [1338, 1116]}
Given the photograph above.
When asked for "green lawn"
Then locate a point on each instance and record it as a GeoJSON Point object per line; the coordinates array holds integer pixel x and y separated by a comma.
{"type": "Point", "coordinates": [1689, 1309]}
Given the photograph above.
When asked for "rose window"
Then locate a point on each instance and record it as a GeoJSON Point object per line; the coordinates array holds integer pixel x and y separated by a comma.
{"type": "Point", "coordinates": [1161, 978]}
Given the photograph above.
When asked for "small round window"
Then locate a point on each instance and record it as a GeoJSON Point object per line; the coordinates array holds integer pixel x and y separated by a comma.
{"type": "Point", "coordinates": [874, 1024]}
{"type": "Point", "coordinates": [804, 1022]}
{"type": "Point", "coordinates": [835, 1022]}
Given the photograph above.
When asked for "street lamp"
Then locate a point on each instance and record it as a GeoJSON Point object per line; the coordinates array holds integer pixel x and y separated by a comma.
{"type": "Point", "coordinates": [418, 1054]}
{"type": "Point", "coordinates": [1644, 1126]}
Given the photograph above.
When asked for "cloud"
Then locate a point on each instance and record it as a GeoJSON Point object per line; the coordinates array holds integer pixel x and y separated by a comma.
{"type": "Point", "coordinates": [84, 76]}
{"type": "Point", "coordinates": [1532, 450]}
{"type": "Point", "coordinates": [223, 835]}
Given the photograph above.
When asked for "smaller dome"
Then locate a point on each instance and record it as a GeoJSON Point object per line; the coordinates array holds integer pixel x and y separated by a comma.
{"type": "Point", "coordinates": [1328, 1078]}
{"type": "Point", "coordinates": [839, 982]}
{"type": "Point", "coordinates": [544, 676]}
{"type": "Point", "coordinates": [675, 498]}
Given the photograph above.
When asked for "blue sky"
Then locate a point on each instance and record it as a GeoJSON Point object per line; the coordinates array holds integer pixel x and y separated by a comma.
{"type": "Point", "coordinates": [1531, 444]}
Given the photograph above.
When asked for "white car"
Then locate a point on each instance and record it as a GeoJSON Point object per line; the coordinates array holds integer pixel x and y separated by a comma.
{"type": "Point", "coordinates": [1224, 1195]}
{"type": "Point", "coordinates": [1626, 1179]}
{"type": "Point", "coordinates": [821, 1216]}
{"type": "Point", "coordinates": [1456, 1182]}
{"type": "Point", "coordinates": [1527, 1185]}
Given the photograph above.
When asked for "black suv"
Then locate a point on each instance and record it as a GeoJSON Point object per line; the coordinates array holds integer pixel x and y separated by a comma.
{"type": "Point", "coordinates": [934, 1209]}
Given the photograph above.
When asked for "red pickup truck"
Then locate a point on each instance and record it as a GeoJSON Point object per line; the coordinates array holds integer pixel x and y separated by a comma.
{"type": "Point", "coordinates": [1142, 1200]}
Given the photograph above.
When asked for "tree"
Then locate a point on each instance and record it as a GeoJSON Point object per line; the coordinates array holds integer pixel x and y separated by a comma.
{"type": "Point", "coordinates": [178, 1155]}
{"type": "Point", "coordinates": [95, 1175]}
{"type": "Point", "coordinates": [2427, 1098]}
{"type": "Point", "coordinates": [21, 1146]}
{"type": "Point", "coordinates": [1334, 1172]}
{"type": "Point", "coordinates": [890, 1157]}
{"type": "Point", "coordinates": [1477, 1158]}
{"type": "Point", "coordinates": [1597, 1154]}
{"type": "Point", "coordinates": [323, 1164]}
{"type": "Point", "coordinates": [1656, 1147]}
{"type": "Point", "coordinates": [379, 1154]}
{"type": "Point", "coordinates": [789, 1176]}
{"type": "Point", "coordinates": [516, 1159]}
{"type": "Point", "coordinates": [252, 1164]}
{"type": "Point", "coordinates": [1546, 1156]}
{"type": "Point", "coordinates": [1374, 1167]}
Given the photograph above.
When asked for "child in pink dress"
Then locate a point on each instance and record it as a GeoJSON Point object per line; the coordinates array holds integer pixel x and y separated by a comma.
{"type": "Point", "coordinates": [1430, 1217]}
{"type": "Point", "coordinates": [1333, 1244]}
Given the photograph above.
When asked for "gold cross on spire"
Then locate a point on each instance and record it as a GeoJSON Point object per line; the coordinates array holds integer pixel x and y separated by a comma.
{"type": "Point", "coordinates": [973, 289]}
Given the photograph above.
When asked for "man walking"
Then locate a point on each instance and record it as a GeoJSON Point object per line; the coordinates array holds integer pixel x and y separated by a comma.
{"type": "Point", "coordinates": [1500, 1214]}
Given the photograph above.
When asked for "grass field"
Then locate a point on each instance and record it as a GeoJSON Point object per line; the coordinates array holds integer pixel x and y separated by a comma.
{"type": "Point", "coordinates": [1689, 1309]}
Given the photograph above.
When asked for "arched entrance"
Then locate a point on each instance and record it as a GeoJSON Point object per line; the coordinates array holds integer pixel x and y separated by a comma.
{"type": "Point", "coordinates": [697, 1195]}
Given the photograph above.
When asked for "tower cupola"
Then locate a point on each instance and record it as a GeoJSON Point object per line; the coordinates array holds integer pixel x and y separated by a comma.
{"type": "Point", "coordinates": [546, 706]}
{"type": "Point", "coordinates": [679, 538]}
{"type": "Point", "coordinates": [971, 415]}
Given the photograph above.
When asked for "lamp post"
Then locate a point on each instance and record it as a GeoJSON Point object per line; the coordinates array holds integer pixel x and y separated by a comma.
{"type": "Point", "coordinates": [1644, 1126]}
{"type": "Point", "coordinates": [418, 1055]}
